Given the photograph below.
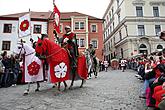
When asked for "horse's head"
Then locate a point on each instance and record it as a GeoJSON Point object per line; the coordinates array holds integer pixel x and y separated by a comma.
{"type": "Point", "coordinates": [23, 49]}
{"type": "Point", "coordinates": [40, 48]}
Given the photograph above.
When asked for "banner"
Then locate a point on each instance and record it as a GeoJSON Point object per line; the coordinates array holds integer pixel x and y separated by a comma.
{"type": "Point", "coordinates": [24, 25]}
{"type": "Point", "coordinates": [56, 20]}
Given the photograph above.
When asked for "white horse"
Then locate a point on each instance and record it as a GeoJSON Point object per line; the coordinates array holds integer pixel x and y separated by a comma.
{"type": "Point", "coordinates": [93, 66]}
{"type": "Point", "coordinates": [33, 67]}
{"type": "Point", "coordinates": [88, 61]}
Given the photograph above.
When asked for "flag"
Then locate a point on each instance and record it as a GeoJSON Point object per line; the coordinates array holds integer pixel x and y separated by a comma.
{"type": "Point", "coordinates": [56, 19]}
{"type": "Point", "coordinates": [24, 25]}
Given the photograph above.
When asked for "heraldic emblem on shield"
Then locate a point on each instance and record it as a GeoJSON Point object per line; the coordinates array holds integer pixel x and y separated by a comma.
{"type": "Point", "coordinates": [60, 70]}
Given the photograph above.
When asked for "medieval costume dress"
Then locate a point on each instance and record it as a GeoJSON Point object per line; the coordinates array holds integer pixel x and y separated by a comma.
{"type": "Point", "coordinates": [70, 43]}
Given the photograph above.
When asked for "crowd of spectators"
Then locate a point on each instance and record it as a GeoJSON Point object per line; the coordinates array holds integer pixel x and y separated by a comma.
{"type": "Point", "coordinates": [10, 71]}
{"type": "Point", "coordinates": [151, 71]}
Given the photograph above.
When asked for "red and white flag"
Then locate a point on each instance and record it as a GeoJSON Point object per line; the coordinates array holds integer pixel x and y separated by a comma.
{"type": "Point", "coordinates": [24, 25]}
{"type": "Point", "coordinates": [56, 21]}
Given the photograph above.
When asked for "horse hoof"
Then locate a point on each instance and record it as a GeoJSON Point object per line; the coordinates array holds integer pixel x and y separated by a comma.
{"type": "Point", "coordinates": [37, 90]}
{"type": "Point", "coordinates": [70, 88]}
{"type": "Point", "coordinates": [25, 93]}
{"type": "Point", "coordinates": [81, 86]}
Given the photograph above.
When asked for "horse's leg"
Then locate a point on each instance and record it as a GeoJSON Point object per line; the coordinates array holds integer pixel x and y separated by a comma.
{"type": "Point", "coordinates": [59, 86]}
{"type": "Point", "coordinates": [26, 92]}
{"type": "Point", "coordinates": [38, 86]}
{"type": "Point", "coordinates": [82, 83]}
{"type": "Point", "coordinates": [65, 85]}
{"type": "Point", "coordinates": [73, 78]}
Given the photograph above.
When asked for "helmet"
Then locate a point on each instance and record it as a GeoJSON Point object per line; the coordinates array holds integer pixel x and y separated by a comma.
{"type": "Point", "coordinates": [67, 27]}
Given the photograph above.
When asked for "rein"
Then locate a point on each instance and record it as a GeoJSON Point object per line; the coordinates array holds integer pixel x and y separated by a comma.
{"type": "Point", "coordinates": [54, 53]}
{"type": "Point", "coordinates": [29, 54]}
{"type": "Point", "coordinates": [58, 51]}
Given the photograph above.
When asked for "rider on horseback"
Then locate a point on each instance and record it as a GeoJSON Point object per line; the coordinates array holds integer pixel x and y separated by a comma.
{"type": "Point", "coordinates": [92, 52]}
{"type": "Point", "coordinates": [70, 43]}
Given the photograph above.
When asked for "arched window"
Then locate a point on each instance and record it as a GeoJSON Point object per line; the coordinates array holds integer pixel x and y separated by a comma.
{"type": "Point", "coordinates": [143, 49]}
{"type": "Point", "coordinates": [159, 47]}
{"type": "Point", "coordinates": [143, 46]}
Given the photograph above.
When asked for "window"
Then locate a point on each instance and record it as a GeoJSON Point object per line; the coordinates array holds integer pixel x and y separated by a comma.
{"type": "Point", "coordinates": [82, 42]}
{"type": "Point", "coordinates": [6, 45]}
{"type": "Point", "coordinates": [141, 30]}
{"type": "Point", "coordinates": [114, 40]}
{"type": "Point", "coordinates": [76, 25]}
{"type": "Point", "coordinates": [110, 29]}
{"type": "Point", "coordinates": [37, 29]}
{"type": "Point", "coordinates": [94, 42]}
{"type": "Point", "coordinates": [79, 25]}
{"type": "Point", "coordinates": [78, 42]}
{"type": "Point", "coordinates": [7, 28]}
{"type": "Point", "coordinates": [139, 11]}
{"type": "Point", "coordinates": [109, 16]}
{"type": "Point", "coordinates": [112, 11]}
{"type": "Point", "coordinates": [159, 47]}
{"type": "Point", "coordinates": [157, 29]}
{"type": "Point", "coordinates": [93, 28]}
{"type": "Point", "coordinates": [117, 3]}
{"type": "Point", "coordinates": [61, 28]}
{"type": "Point", "coordinates": [113, 25]}
{"type": "Point", "coordinates": [120, 35]}
{"type": "Point", "coordinates": [155, 11]}
{"type": "Point", "coordinates": [119, 17]}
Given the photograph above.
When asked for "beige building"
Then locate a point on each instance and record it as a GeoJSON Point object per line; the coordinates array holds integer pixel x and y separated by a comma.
{"type": "Point", "coordinates": [131, 27]}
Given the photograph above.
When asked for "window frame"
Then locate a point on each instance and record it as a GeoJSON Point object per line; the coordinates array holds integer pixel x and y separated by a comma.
{"type": "Point", "coordinates": [79, 42]}
{"type": "Point", "coordinates": [61, 28]}
{"type": "Point", "coordinates": [93, 28]}
{"type": "Point", "coordinates": [78, 25]}
{"type": "Point", "coordinates": [156, 33]}
{"type": "Point", "coordinates": [9, 28]}
{"type": "Point", "coordinates": [141, 30]}
{"type": "Point", "coordinates": [5, 45]}
{"type": "Point", "coordinates": [139, 11]}
{"type": "Point", "coordinates": [156, 12]}
{"type": "Point", "coordinates": [96, 47]}
{"type": "Point", "coordinates": [34, 32]}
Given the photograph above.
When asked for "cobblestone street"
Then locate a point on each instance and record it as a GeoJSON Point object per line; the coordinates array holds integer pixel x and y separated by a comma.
{"type": "Point", "coordinates": [112, 90]}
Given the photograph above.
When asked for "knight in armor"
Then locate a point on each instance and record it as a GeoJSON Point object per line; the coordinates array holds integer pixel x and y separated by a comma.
{"type": "Point", "coordinates": [70, 43]}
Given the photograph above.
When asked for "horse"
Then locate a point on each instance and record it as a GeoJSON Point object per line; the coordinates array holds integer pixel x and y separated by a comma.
{"type": "Point", "coordinates": [55, 55]}
{"type": "Point", "coordinates": [88, 61]}
{"type": "Point", "coordinates": [33, 67]}
{"type": "Point", "coordinates": [96, 66]}
{"type": "Point", "coordinates": [92, 64]}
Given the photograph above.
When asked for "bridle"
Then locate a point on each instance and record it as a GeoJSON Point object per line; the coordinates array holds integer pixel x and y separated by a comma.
{"type": "Point", "coordinates": [45, 55]}
{"type": "Point", "coordinates": [22, 48]}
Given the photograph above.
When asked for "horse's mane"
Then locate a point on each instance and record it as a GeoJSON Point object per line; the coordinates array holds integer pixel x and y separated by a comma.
{"type": "Point", "coordinates": [50, 46]}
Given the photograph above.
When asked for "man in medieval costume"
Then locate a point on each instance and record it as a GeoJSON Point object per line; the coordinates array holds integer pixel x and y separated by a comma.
{"type": "Point", "coordinates": [69, 42]}
{"type": "Point", "coordinates": [92, 52]}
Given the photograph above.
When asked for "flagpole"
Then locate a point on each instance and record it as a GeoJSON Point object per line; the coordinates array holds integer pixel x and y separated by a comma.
{"type": "Point", "coordinates": [30, 23]}
{"type": "Point", "coordinates": [53, 2]}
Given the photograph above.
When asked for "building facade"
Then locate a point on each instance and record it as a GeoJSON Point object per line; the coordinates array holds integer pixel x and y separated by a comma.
{"type": "Point", "coordinates": [132, 27]}
{"type": "Point", "coordinates": [9, 29]}
{"type": "Point", "coordinates": [87, 28]}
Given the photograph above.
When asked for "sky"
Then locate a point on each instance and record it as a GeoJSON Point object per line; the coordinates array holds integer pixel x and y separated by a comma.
{"type": "Point", "coordinates": [94, 8]}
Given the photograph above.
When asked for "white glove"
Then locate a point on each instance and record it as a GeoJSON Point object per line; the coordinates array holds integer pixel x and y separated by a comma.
{"type": "Point", "coordinates": [65, 40]}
